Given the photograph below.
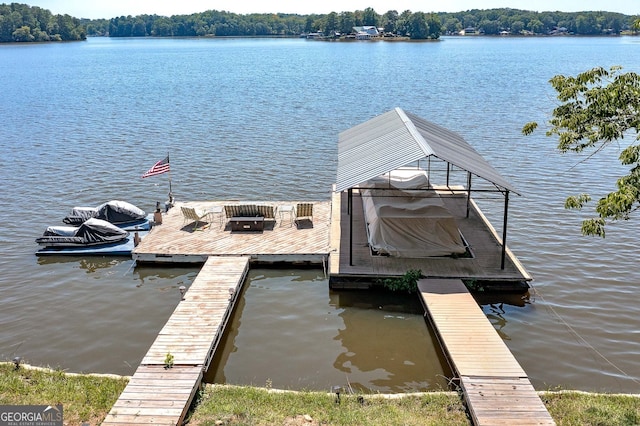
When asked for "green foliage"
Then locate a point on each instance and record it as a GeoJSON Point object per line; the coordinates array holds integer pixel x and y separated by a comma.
{"type": "Point", "coordinates": [576, 201]}
{"type": "Point", "coordinates": [43, 26]}
{"type": "Point", "coordinates": [23, 23]}
{"type": "Point", "coordinates": [474, 285]}
{"type": "Point", "coordinates": [422, 26]}
{"type": "Point", "coordinates": [408, 282]}
{"type": "Point", "coordinates": [168, 360]}
{"type": "Point", "coordinates": [493, 21]}
{"type": "Point", "coordinates": [597, 107]}
{"type": "Point", "coordinates": [212, 23]}
{"type": "Point", "coordinates": [419, 25]}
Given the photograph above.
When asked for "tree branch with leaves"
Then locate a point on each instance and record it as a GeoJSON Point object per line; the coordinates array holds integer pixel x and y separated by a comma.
{"type": "Point", "coordinates": [598, 107]}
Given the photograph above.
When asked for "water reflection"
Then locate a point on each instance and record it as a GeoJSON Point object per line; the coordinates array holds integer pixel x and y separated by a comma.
{"type": "Point", "coordinates": [388, 352]}
{"type": "Point", "coordinates": [96, 307]}
{"type": "Point", "coordinates": [494, 306]}
{"type": "Point", "coordinates": [216, 372]}
{"type": "Point", "coordinates": [89, 264]}
{"type": "Point", "coordinates": [292, 332]}
{"type": "Point", "coordinates": [152, 274]}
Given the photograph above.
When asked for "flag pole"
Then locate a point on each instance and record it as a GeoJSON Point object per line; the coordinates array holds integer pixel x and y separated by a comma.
{"type": "Point", "coordinates": [169, 173]}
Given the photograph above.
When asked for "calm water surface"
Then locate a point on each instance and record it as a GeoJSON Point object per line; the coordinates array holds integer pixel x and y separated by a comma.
{"type": "Point", "coordinates": [259, 120]}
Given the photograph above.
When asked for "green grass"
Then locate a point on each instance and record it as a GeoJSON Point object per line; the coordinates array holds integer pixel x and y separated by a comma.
{"type": "Point", "coordinates": [588, 409]}
{"type": "Point", "coordinates": [88, 398]}
{"type": "Point", "coordinates": [84, 398]}
{"type": "Point", "coordinates": [236, 405]}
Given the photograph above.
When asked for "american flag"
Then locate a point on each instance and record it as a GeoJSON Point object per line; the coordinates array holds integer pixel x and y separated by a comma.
{"type": "Point", "coordinates": [160, 167]}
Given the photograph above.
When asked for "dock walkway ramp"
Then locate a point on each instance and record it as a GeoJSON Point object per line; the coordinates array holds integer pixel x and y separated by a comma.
{"type": "Point", "coordinates": [496, 389]}
{"type": "Point", "coordinates": [159, 393]}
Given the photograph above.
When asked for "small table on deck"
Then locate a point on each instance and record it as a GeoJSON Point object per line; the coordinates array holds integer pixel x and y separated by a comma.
{"type": "Point", "coordinates": [215, 211]}
{"type": "Point", "coordinates": [247, 223]}
{"type": "Point", "coordinates": [286, 209]}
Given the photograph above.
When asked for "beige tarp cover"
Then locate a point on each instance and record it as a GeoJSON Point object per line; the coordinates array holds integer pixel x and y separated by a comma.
{"type": "Point", "coordinates": [412, 224]}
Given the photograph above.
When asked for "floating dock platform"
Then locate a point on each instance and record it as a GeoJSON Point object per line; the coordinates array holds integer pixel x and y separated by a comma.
{"type": "Point", "coordinates": [280, 240]}
{"type": "Point", "coordinates": [496, 389]}
{"type": "Point", "coordinates": [324, 241]}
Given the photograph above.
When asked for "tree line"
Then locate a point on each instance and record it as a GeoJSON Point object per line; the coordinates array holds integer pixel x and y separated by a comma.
{"type": "Point", "coordinates": [407, 23]}
{"type": "Point", "coordinates": [514, 21]}
{"type": "Point", "coordinates": [227, 24]}
{"type": "Point", "coordinates": [20, 22]}
{"type": "Point", "coordinates": [414, 24]}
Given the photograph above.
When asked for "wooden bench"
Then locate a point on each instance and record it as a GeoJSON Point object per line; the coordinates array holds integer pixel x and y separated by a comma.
{"type": "Point", "coordinates": [249, 217]}
{"type": "Point", "coordinates": [249, 210]}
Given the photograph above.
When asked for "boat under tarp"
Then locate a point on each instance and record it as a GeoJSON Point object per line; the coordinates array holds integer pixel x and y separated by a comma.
{"type": "Point", "coordinates": [90, 233]}
{"type": "Point", "coordinates": [407, 219]}
{"type": "Point", "coordinates": [120, 213]}
{"type": "Point", "coordinates": [122, 248]}
{"type": "Point", "coordinates": [93, 237]}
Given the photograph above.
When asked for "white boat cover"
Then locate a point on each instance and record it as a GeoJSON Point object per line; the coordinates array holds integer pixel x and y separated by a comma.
{"type": "Point", "coordinates": [400, 179]}
{"type": "Point", "coordinates": [114, 211]}
{"type": "Point", "coordinates": [409, 224]}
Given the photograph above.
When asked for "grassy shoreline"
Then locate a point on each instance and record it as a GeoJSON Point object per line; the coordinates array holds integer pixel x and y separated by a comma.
{"type": "Point", "coordinates": [87, 398]}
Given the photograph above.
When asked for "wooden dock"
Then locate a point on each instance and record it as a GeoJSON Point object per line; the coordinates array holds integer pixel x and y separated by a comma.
{"type": "Point", "coordinates": [496, 389]}
{"type": "Point", "coordinates": [325, 241]}
{"type": "Point", "coordinates": [161, 396]}
{"type": "Point", "coordinates": [484, 242]}
{"type": "Point", "coordinates": [281, 241]}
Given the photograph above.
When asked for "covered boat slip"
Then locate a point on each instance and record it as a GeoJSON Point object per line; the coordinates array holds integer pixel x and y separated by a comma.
{"type": "Point", "coordinates": [390, 222]}
{"type": "Point", "coordinates": [353, 262]}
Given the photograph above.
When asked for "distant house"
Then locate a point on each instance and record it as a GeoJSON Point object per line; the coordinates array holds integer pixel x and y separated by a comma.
{"type": "Point", "coordinates": [366, 32]}
{"type": "Point", "coordinates": [468, 31]}
{"type": "Point", "coordinates": [558, 31]}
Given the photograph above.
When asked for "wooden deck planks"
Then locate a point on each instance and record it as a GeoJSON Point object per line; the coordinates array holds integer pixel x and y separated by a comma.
{"type": "Point", "coordinates": [161, 396]}
{"type": "Point", "coordinates": [496, 388]}
{"type": "Point", "coordinates": [466, 332]}
{"type": "Point", "coordinates": [175, 241]}
{"type": "Point", "coordinates": [504, 402]}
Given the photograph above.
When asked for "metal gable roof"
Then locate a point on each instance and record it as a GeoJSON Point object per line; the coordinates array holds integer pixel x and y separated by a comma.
{"type": "Point", "coordinates": [395, 139]}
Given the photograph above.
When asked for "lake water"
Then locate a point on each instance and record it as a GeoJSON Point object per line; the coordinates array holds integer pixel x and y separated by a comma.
{"type": "Point", "coordinates": [258, 119]}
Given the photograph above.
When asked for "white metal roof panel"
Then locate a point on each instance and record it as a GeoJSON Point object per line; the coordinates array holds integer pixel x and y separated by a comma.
{"type": "Point", "coordinates": [395, 139]}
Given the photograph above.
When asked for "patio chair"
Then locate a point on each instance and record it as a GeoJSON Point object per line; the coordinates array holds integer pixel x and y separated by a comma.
{"type": "Point", "coordinates": [266, 211]}
{"type": "Point", "coordinates": [304, 210]}
{"type": "Point", "coordinates": [191, 215]}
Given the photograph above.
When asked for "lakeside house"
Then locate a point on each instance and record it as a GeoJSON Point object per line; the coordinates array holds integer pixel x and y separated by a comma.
{"type": "Point", "coordinates": [366, 32]}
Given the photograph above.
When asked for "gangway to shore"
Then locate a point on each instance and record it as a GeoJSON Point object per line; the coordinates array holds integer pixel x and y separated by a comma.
{"type": "Point", "coordinates": [496, 389]}
{"type": "Point", "coordinates": [162, 388]}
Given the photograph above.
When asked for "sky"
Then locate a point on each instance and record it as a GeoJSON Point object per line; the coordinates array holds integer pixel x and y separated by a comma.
{"type": "Point", "coordinates": [95, 9]}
